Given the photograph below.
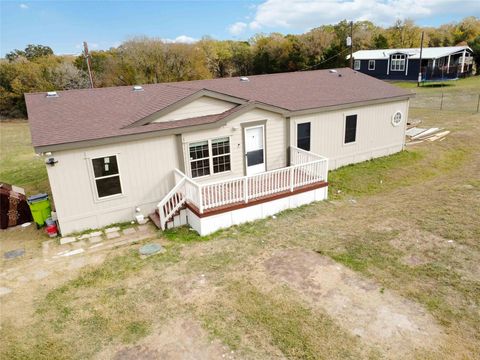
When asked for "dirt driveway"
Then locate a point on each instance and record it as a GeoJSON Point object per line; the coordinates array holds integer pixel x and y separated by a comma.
{"type": "Point", "coordinates": [377, 316]}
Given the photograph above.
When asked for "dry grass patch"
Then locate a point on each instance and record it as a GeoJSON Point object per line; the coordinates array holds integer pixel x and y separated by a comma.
{"type": "Point", "coordinates": [271, 324]}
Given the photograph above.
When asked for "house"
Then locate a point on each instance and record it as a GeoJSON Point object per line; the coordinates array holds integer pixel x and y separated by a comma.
{"type": "Point", "coordinates": [209, 153]}
{"type": "Point", "coordinates": [438, 63]}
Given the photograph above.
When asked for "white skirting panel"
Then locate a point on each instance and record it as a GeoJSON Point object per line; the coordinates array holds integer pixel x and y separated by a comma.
{"type": "Point", "coordinates": [209, 224]}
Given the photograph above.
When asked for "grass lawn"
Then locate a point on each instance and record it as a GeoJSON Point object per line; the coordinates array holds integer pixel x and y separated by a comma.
{"type": "Point", "coordinates": [408, 223]}
{"type": "Point", "coordinates": [18, 163]}
{"type": "Point", "coordinates": [455, 95]}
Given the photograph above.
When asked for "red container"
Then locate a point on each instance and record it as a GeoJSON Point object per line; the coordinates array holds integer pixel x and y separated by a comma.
{"type": "Point", "coordinates": [52, 230]}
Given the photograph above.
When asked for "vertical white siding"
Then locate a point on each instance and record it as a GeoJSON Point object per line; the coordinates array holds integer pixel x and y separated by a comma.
{"type": "Point", "coordinates": [200, 107]}
{"type": "Point", "coordinates": [376, 136]}
{"type": "Point", "coordinates": [146, 175]}
{"type": "Point", "coordinates": [146, 166]}
{"type": "Point", "coordinates": [276, 142]}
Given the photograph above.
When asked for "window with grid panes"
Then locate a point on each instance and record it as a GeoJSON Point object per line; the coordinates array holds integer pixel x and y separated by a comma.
{"type": "Point", "coordinates": [210, 156]}
{"type": "Point", "coordinates": [397, 62]}
{"type": "Point", "coordinates": [199, 159]}
{"type": "Point", "coordinates": [221, 155]}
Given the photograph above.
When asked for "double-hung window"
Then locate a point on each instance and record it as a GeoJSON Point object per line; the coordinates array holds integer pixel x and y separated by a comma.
{"type": "Point", "coordinates": [200, 159]}
{"type": "Point", "coordinates": [221, 155]}
{"type": "Point", "coordinates": [107, 176]}
{"type": "Point", "coordinates": [397, 62]}
{"type": "Point", "coordinates": [356, 65]}
{"type": "Point", "coordinates": [371, 64]}
{"type": "Point", "coordinates": [350, 129]}
{"type": "Point", "coordinates": [210, 157]}
{"type": "Point", "coordinates": [303, 136]}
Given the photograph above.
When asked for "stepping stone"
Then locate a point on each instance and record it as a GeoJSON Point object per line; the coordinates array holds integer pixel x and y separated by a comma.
{"type": "Point", "coordinates": [129, 231]}
{"type": "Point", "coordinates": [67, 240]}
{"type": "Point", "coordinates": [113, 235]}
{"type": "Point", "coordinates": [95, 239]}
{"type": "Point", "coordinates": [112, 229]}
{"type": "Point", "coordinates": [12, 254]}
{"type": "Point", "coordinates": [89, 235]}
{"type": "Point", "coordinates": [150, 249]}
{"type": "Point", "coordinates": [4, 290]}
{"type": "Point", "coordinates": [73, 252]}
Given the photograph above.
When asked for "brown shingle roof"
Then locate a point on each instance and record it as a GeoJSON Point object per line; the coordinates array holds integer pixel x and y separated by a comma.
{"type": "Point", "coordinates": [78, 115]}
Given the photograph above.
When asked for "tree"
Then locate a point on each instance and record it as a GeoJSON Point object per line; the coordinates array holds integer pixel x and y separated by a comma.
{"type": "Point", "coordinates": [17, 78]}
{"type": "Point", "coordinates": [66, 76]}
{"type": "Point", "coordinates": [380, 42]}
{"type": "Point", "coordinates": [475, 45]}
{"type": "Point", "coordinates": [404, 34]}
{"type": "Point", "coordinates": [466, 30]}
{"type": "Point", "coordinates": [31, 52]}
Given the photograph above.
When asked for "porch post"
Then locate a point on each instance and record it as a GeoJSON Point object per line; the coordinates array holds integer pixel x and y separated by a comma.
{"type": "Point", "coordinates": [463, 60]}
{"type": "Point", "coordinates": [433, 66]}
{"type": "Point", "coordinates": [448, 64]}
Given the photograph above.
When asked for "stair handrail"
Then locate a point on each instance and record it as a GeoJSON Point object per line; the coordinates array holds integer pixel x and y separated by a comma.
{"type": "Point", "coordinates": [171, 202]}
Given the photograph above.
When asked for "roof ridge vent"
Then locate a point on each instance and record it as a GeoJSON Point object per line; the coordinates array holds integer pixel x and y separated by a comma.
{"type": "Point", "coordinates": [137, 88]}
{"type": "Point", "coordinates": [52, 94]}
{"type": "Point", "coordinates": [244, 79]}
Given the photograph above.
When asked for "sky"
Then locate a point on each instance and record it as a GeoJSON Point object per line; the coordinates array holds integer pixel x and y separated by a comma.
{"type": "Point", "coordinates": [64, 25]}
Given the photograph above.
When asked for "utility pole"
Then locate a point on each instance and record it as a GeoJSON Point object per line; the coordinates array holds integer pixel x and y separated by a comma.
{"type": "Point", "coordinates": [87, 60]}
{"type": "Point", "coordinates": [351, 44]}
{"type": "Point", "coordinates": [420, 64]}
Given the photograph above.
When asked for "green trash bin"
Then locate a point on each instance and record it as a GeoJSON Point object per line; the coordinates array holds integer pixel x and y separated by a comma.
{"type": "Point", "coordinates": [40, 208]}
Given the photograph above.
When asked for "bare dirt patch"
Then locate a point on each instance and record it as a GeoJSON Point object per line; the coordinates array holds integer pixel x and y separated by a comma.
{"type": "Point", "coordinates": [398, 326]}
{"type": "Point", "coordinates": [181, 339]}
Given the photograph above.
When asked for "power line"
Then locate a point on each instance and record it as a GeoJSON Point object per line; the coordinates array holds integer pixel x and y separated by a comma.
{"type": "Point", "coordinates": [324, 61]}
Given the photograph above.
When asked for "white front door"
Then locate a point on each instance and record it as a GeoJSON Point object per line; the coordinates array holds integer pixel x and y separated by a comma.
{"type": "Point", "coordinates": [254, 149]}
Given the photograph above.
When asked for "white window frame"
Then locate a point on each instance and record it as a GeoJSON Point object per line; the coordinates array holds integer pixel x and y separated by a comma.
{"type": "Point", "coordinates": [190, 160]}
{"type": "Point", "coordinates": [397, 62]}
{"type": "Point", "coordinates": [371, 62]}
{"type": "Point", "coordinates": [296, 132]}
{"type": "Point", "coordinates": [94, 179]}
{"type": "Point", "coordinates": [345, 129]}
{"type": "Point", "coordinates": [210, 156]}
{"type": "Point", "coordinates": [357, 65]}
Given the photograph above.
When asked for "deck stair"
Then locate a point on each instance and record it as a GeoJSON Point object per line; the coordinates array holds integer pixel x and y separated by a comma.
{"type": "Point", "coordinates": [175, 213]}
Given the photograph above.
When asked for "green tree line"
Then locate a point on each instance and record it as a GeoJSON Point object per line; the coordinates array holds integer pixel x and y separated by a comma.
{"type": "Point", "coordinates": [145, 60]}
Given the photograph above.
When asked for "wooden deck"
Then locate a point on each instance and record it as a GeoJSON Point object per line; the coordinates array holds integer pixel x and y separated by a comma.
{"type": "Point", "coordinates": [306, 171]}
{"type": "Point", "coordinates": [259, 200]}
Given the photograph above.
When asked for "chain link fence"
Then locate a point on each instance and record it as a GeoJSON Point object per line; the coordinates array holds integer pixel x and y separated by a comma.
{"type": "Point", "coordinates": [465, 101]}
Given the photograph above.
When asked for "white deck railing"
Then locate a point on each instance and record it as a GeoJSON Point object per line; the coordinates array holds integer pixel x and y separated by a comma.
{"type": "Point", "coordinates": [306, 168]}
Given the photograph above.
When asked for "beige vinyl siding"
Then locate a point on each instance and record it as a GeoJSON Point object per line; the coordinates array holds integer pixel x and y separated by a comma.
{"type": "Point", "coordinates": [376, 136]}
{"type": "Point", "coordinates": [276, 143]}
{"type": "Point", "coordinates": [202, 106]}
{"type": "Point", "coordinates": [146, 172]}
